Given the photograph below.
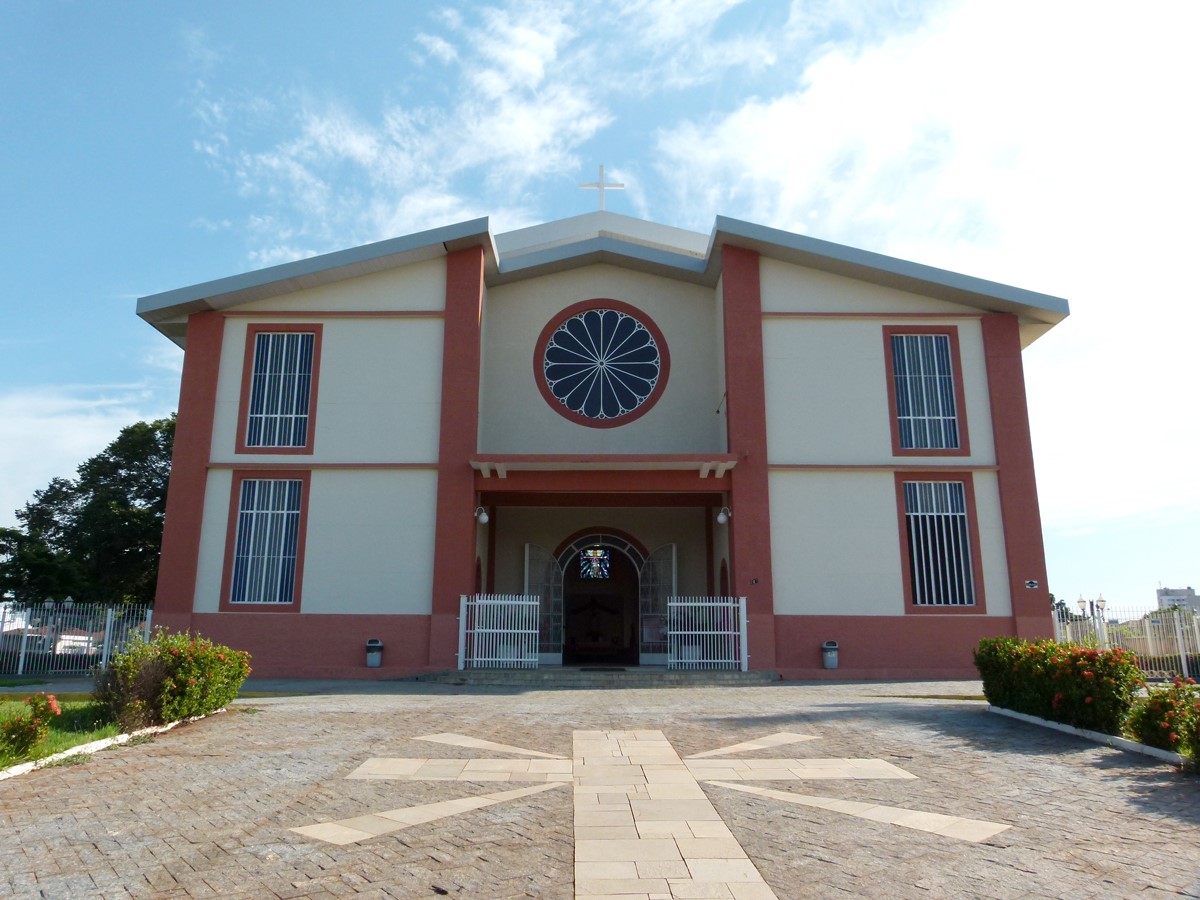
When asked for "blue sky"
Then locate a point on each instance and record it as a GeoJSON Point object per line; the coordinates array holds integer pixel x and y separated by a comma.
{"type": "Point", "coordinates": [149, 146]}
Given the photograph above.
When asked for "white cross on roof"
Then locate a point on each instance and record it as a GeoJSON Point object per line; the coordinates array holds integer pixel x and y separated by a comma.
{"type": "Point", "coordinates": [600, 186]}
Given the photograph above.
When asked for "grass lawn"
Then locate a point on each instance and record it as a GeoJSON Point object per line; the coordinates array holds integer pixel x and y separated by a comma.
{"type": "Point", "coordinates": [81, 721]}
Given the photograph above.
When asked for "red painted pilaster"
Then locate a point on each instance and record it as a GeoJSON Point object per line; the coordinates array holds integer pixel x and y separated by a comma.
{"type": "Point", "coordinates": [1018, 486]}
{"type": "Point", "coordinates": [179, 559]}
{"type": "Point", "coordinates": [454, 547]}
{"type": "Point", "coordinates": [746, 421]}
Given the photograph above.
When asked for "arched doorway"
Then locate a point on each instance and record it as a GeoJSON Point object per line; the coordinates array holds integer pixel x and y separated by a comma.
{"type": "Point", "coordinates": [600, 607]}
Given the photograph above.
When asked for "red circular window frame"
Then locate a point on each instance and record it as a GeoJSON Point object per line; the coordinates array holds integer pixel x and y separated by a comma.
{"type": "Point", "coordinates": [539, 355]}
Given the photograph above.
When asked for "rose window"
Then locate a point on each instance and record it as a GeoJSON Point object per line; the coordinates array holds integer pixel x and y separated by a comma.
{"type": "Point", "coordinates": [602, 365]}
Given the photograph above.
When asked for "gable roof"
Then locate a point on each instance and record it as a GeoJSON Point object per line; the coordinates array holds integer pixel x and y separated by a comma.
{"type": "Point", "coordinates": [603, 237]}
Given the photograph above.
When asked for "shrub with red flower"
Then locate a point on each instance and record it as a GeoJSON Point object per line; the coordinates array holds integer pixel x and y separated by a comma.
{"type": "Point", "coordinates": [1080, 686]}
{"type": "Point", "coordinates": [20, 734]}
{"type": "Point", "coordinates": [1169, 717]}
{"type": "Point", "coordinates": [175, 676]}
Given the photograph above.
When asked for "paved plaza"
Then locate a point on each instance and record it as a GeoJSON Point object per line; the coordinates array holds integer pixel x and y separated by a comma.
{"type": "Point", "coordinates": [788, 791]}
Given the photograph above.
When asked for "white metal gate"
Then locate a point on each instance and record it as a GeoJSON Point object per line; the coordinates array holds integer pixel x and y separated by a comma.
{"type": "Point", "coordinates": [707, 633]}
{"type": "Point", "coordinates": [59, 638]}
{"type": "Point", "coordinates": [498, 631]}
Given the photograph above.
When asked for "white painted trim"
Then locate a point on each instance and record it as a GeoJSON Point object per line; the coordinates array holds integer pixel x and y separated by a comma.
{"type": "Point", "coordinates": [94, 747]}
{"type": "Point", "coordinates": [1109, 740]}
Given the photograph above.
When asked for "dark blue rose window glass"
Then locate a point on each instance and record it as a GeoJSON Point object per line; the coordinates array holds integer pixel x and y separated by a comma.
{"type": "Point", "coordinates": [602, 364]}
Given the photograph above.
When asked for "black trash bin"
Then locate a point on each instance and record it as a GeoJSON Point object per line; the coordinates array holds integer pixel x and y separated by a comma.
{"type": "Point", "coordinates": [829, 654]}
{"type": "Point", "coordinates": [374, 653]}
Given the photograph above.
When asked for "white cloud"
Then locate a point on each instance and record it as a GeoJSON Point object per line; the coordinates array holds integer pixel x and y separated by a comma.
{"type": "Point", "coordinates": [992, 140]}
{"type": "Point", "coordinates": [437, 47]}
{"type": "Point", "coordinates": [49, 431]}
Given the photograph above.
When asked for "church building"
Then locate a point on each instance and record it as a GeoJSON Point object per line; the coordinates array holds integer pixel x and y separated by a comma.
{"type": "Point", "coordinates": [605, 419]}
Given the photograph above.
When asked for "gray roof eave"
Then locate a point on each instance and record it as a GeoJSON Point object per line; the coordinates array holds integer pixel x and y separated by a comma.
{"type": "Point", "coordinates": [319, 270]}
{"type": "Point", "coordinates": [886, 271]}
{"type": "Point", "coordinates": [601, 249]}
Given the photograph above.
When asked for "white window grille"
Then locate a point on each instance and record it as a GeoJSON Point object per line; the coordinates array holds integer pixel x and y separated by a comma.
{"type": "Point", "coordinates": [280, 388]}
{"type": "Point", "coordinates": [268, 530]}
{"type": "Point", "coordinates": [926, 406]}
{"type": "Point", "coordinates": [939, 544]}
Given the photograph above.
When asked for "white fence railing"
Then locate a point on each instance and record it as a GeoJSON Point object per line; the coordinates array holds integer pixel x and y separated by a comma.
{"type": "Point", "coordinates": [498, 631]}
{"type": "Point", "coordinates": [61, 638]}
{"type": "Point", "coordinates": [706, 633]}
{"type": "Point", "coordinates": [1166, 641]}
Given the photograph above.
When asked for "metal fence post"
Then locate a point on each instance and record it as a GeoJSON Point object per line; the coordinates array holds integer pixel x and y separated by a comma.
{"type": "Point", "coordinates": [462, 631]}
{"type": "Point", "coordinates": [743, 636]}
{"type": "Point", "coordinates": [1183, 664]}
{"type": "Point", "coordinates": [24, 642]}
{"type": "Point", "coordinates": [108, 627]}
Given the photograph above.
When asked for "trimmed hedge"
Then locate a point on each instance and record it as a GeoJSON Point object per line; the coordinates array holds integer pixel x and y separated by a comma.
{"type": "Point", "coordinates": [175, 676]}
{"type": "Point", "coordinates": [1079, 686]}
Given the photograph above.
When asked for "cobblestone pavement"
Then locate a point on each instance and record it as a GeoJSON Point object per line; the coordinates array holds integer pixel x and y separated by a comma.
{"type": "Point", "coordinates": [209, 809]}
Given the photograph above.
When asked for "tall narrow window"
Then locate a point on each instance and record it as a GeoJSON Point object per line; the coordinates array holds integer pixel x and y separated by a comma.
{"type": "Point", "coordinates": [940, 559]}
{"type": "Point", "coordinates": [925, 392]}
{"type": "Point", "coordinates": [280, 389]}
{"type": "Point", "coordinates": [266, 546]}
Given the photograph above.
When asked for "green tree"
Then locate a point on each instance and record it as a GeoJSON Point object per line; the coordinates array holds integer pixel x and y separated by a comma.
{"type": "Point", "coordinates": [96, 537]}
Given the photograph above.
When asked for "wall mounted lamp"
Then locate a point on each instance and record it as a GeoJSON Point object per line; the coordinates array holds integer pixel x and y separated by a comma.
{"type": "Point", "coordinates": [481, 515]}
{"type": "Point", "coordinates": [724, 515]}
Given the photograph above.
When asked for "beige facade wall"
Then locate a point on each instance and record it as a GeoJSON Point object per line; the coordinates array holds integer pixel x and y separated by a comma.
{"type": "Point", "coordinates": [826, 385]}
{"type": "Point", "coordinates": [991, 541]}
{"type": "Point", "coordinates": [378, 399]}
{"type": "Point", "coordinates": [420, 286]}
{"type": "Point", "coordinates": [516, 419]}
{"type": "Point", "coordinates": [211, 554]}
{"type": "Point", "coordinates": [369, 546]}
{"type": "Point", "coordinates": [789, 288]}
{"type": "Point", "coordinates": [370, 542]}
{"type": "Point", "coordinates": [549, 526]}
{"type": "Point", "coordinates": [836, 543]}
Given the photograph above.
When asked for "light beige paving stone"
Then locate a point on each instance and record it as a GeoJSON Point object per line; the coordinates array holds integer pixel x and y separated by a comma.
{"type": "Point", "coordinates": [710, 848]}
{"type": "Point", "coordinates": [626, 851]}
{"type": "Point", "coordinates": [605, 869]}
{"type": "Point", "coordinates": [973, 830]}
{"type": "Point", "coordinates": [605, 832]}
{"type": "Point", "coordinates": [333, 833]}
{"type": "Point", "coordinates": [762, 743]}
{"type": "Point", "coordinates": [676, 791]}
{"type": "Point", "coordinates": [710, 830]}
{"type": "Point", "coordinates": [675, 829]}
{"type": "Point", "coordinates": [662, 869]}
{"type": "Point", "coordinates": [462, 740]}
{"type": "Point", "coordinates": [603, 818]}
{"type": "Point", "coordinates": [723, 870]}
{"type": "Point", "coordinates": [387, 768]}
{"type": "Point", "coordinates": [699, 890]}
{"type": "Point", "coordinates": [748, 890]}
{"type": "Point", "coordinates": [667, 810]}
{"type": "Point", "coordinates": [623, 886]}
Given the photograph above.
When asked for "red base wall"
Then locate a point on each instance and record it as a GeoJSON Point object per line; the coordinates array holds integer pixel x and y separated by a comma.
{"type": "Point", "coordinates": [883, 647]}
{"type": "Point", "coordinates": [320, 646]}
{"type": "Point", "coordinates": [334, 646]}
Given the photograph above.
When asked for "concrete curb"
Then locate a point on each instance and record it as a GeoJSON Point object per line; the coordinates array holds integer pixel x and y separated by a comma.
{"type": "Point", "coordinates": [92, 747]}
{"type": "Point", "coordinates": [1109, 740]}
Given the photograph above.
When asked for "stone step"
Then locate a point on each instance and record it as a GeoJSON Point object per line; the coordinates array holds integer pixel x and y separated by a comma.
{"type": "Point", "coordinates": [584, 677]}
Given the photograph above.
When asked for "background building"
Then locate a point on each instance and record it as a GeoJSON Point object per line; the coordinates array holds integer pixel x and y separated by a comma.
{"type": "Point", "coordinates": [1185, 597]}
